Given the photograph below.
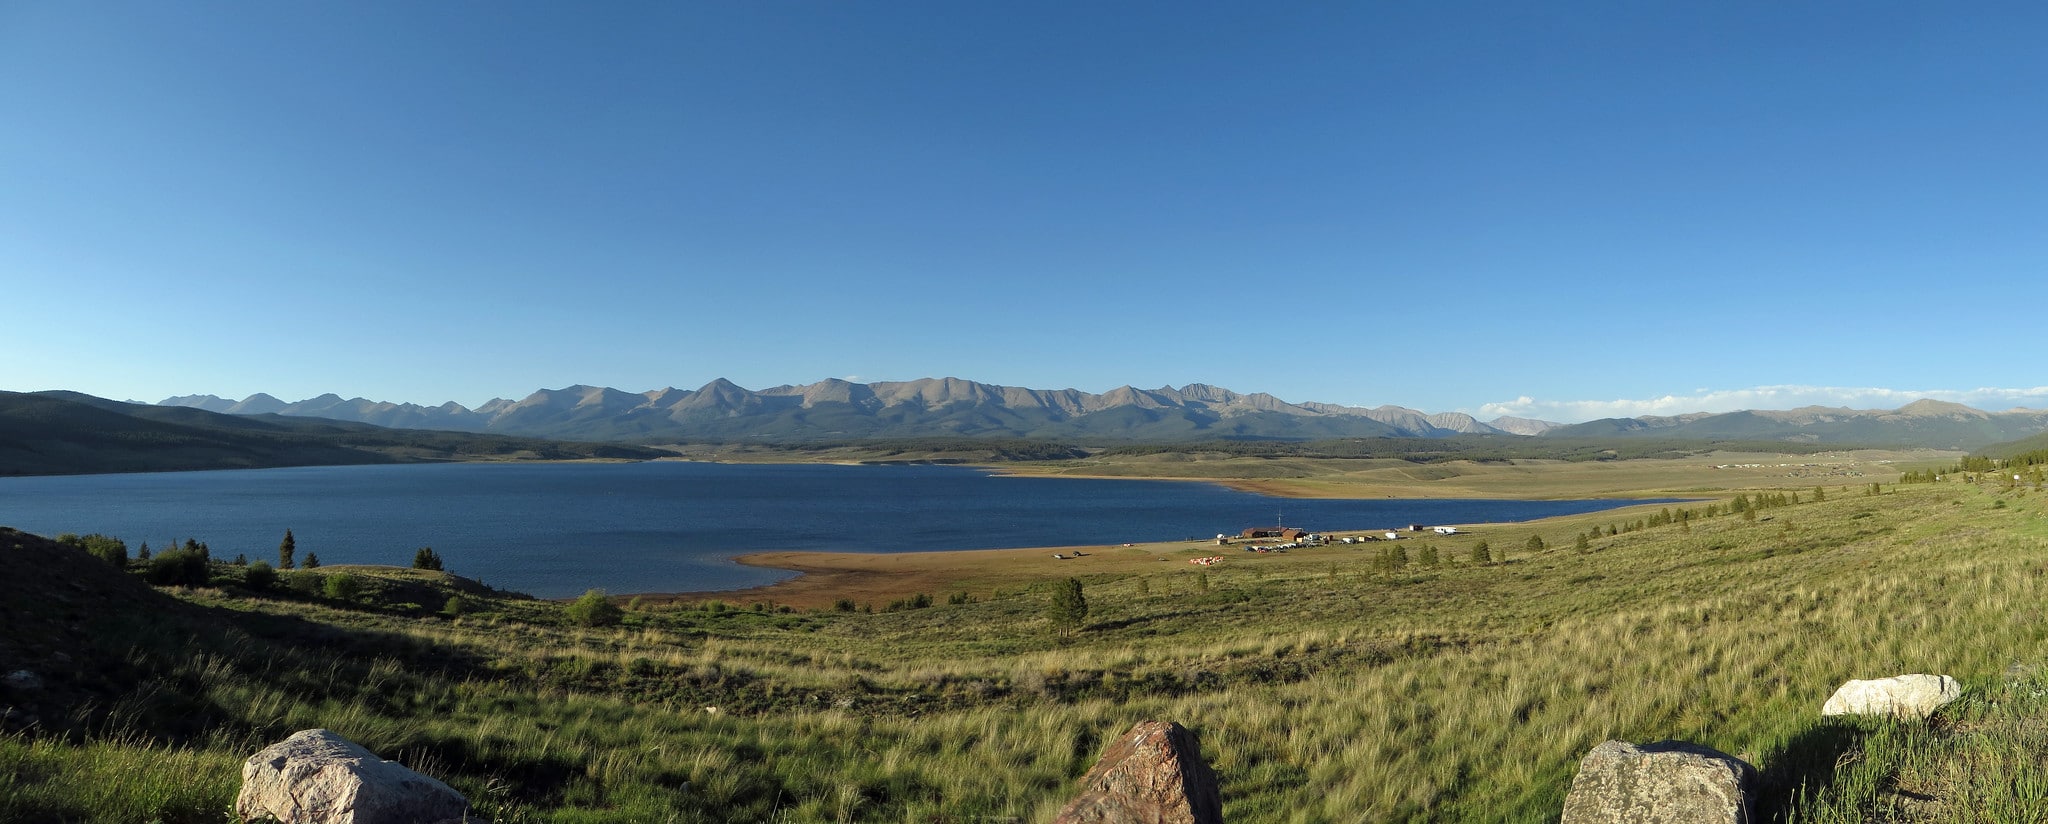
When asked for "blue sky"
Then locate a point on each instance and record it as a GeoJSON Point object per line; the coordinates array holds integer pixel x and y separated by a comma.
{"type": "Point", "coordinates": [1554, 210]}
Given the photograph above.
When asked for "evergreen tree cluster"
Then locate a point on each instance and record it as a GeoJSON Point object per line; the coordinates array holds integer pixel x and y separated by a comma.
{"type": "Point", "coordinates": [427, 559]}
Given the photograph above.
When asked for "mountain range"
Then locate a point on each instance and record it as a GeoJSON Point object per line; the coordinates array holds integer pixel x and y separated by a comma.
{"type": "Point", "coordinates": [950, 407]}
{"type": "Point", "coordinates": [55, 433]}
{"type": "Point", "coordinates": [834, 409]}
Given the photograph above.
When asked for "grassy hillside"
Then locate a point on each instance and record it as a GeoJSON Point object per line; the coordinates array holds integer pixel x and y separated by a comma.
{"type": "Point", "coordinates": [61, 433]}
{"type": "Point", "coordinates": [1327, 684]}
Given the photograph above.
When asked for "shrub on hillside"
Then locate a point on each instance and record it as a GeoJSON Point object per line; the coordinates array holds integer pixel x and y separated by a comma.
{"type": "Point", "coordinates": [303, 582]}
{"type": "Point", "coordinates": [343, 586]}
{"type": "Point", "coordinates": [111, 550]}
{"type": "Point", "coordinates": [595, 610]}
{"type": "Point", "coordinates": [178, 567]}
{"type": "Point", "coordinates": [259, 576]}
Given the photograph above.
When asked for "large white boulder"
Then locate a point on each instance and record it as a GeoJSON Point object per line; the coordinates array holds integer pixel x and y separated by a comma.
{"type": "Point", "coordinates": [1668, 782]}
{"type": "Point", "coordinates": [319, 777]}
{"type": "Point", "coordinates": [1900, 696]}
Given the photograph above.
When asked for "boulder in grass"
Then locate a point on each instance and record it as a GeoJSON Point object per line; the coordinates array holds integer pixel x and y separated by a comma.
{"type": "Point", "coordinates": [1152, 775]}
{"type": "Point", "coordinates": [319, 777]}
{"type": "Point", "coordinates": [1667, 782]}
{"type": "Point", "coordinates": [1900, 696]}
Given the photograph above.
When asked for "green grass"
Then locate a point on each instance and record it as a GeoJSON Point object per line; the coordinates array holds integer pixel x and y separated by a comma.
{"type": "Point", "coordinates": [1329, 691]}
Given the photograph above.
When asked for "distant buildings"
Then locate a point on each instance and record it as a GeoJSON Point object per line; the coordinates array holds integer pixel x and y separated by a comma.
{"type": "Point", "coordinates": [1285, 533]}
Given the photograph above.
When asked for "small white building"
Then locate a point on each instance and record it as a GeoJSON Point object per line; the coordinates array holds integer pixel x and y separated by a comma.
{"type": "Point", "coordinates": [1446, 530]}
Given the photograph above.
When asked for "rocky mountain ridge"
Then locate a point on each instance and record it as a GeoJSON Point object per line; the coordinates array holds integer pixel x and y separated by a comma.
{"type": "Point", "coordinates": [839, 408]}
{"type": "Point", "coordinates": [951, 407]}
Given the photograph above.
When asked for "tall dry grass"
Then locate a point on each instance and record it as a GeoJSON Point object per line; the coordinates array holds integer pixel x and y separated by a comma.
{"type": "Point", "coordinates": [1321, 691]}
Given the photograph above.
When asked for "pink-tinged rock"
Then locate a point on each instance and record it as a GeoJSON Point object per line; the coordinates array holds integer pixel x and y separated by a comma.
{"type": "Point", "coordinates": [1152, 775]}
{"type": "Point", "coordinates": [319, 777]}
{"type": "Point", "coordinates": [1668, 782]}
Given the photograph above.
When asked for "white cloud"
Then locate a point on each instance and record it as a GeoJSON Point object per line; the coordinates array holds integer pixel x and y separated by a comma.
{"type": "Point", "coordinates": [1760, 397]}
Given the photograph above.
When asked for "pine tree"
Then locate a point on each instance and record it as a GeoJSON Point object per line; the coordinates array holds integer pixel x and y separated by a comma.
{"type": "Point", "coordinates": [426, 559]}
{"type": "Point", "coordinates": [286, 549]}
{"type": "Point", "coordinates": [1069, 606]}
{"type": "Point", "coordinates": [1481, 553]}
{"type": "Point", "coordinates": [312, 560]}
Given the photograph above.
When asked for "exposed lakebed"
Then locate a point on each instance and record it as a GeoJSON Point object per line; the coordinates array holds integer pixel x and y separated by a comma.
{"type": "Point", "coordinates": [554, 530]}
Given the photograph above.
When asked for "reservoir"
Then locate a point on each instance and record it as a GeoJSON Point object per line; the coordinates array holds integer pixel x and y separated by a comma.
{"type": "Point", "coordinates": [555, 530]}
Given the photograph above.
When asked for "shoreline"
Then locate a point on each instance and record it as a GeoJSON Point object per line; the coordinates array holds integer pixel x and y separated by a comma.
{"type": "Point", "coordinates": [824, 579]}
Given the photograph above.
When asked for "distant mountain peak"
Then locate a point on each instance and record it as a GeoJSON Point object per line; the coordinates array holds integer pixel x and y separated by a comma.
{"type": "Point", "coordinates": [1931, 408]}
{"type": "Point", "coordinates": [257, 404]}
{"type": "Point", "coordinates": [1522, 426]}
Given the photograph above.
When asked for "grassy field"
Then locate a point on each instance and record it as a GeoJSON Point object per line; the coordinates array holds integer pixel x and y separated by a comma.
{"type": "Point", "coordinates": [1326, 684]}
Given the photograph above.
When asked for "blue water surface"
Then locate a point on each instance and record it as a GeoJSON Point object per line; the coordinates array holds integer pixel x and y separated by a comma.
{"type": "Point", "coordinates": [555, 530]}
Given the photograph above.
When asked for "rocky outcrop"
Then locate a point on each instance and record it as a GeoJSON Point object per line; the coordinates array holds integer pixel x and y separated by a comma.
{"type": "Point", "coordinates": [319, 777]}
{"type": "Point", "coordinates": [1152, 775]}
{"type": "Point", "coordinates": [1667, 782]}
{"type": "Point", "coordinates": [1900, 696]}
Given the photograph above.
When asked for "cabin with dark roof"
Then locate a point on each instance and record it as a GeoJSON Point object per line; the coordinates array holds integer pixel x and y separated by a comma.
{"type": "Point", "coordinates": [1285, 533]}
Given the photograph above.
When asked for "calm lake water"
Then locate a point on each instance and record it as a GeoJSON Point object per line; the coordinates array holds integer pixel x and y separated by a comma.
{"type": "Point", "coordinates": [554, 530]}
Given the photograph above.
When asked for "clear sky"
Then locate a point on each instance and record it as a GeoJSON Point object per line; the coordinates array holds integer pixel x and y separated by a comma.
{"type": "Point", "coordinates": [1558, 210]}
